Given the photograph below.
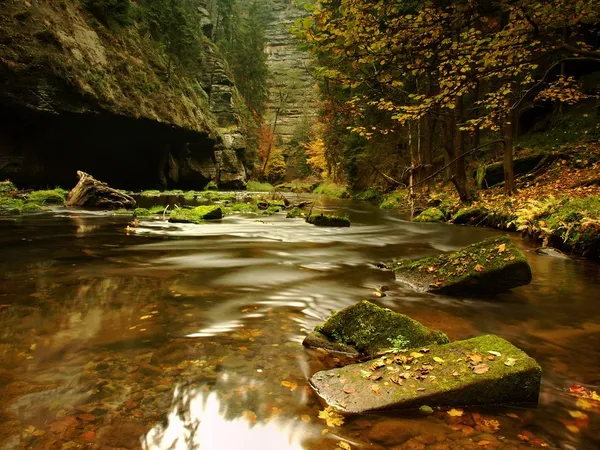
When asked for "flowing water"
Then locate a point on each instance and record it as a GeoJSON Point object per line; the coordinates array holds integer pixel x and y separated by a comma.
{"type": "Point", "coordinates": [188, 336]}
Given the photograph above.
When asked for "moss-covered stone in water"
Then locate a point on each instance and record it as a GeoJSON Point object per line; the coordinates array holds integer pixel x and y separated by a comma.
{"type": "Point", "coordinates": [196, 215]}
{"type": "Point", "coordinates": [145, 212]}
{"type": "Point", "coordinates": [54, 196]}
{"type": "Point", "coordinates": [211, 186]}
{"type": "Point", "coordinates": [371, 329]}
{"type": "Point", "coordinates": [322, 220]}
{"type": "Point", "coordinates": [296, 213]}
{"type": "Point", "coordinates": [431, 215]}
{"type": "Point", "coordinates": [486, 268]}
{"type": "Point", "coordinates": [444, 376]}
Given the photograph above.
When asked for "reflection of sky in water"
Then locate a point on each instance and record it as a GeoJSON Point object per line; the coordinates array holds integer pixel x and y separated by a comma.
{"type": "Point", "coordinates": [199, 421]}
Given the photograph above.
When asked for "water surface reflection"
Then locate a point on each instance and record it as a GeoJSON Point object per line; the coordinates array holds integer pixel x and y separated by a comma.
{"type": "Point", "coordinates": [189, 336]}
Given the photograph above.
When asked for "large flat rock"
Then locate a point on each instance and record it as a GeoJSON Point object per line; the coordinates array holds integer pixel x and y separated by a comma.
{"type": "Point", "coordinates": [488, 267]}
{"type": "Point", "coordinates": [365, 328]}
{"type": "Point", "coordinates": [480, 371]}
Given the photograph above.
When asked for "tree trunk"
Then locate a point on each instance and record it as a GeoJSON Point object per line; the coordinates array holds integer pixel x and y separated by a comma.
{"type": "Point", "coordinates": [509, 176]}
{"type": "Point", "coordinates": [90, 192]}
{"type": "Point", "coordinates": [459, 176]}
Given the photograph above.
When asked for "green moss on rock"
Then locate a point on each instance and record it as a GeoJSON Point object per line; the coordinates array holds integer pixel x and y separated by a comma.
{"type": "Point", "coordinates": [196, 215]}
{"type": "Point", "coordinates": [444, 376]}
{"type": "Point", "coordinates": [470, 216]}
{"type": "Point", "coordinates": [54, 196]}
{"type": "Point", "coordinates": [371, 329]}
{"type": "Point", "coordinates": [323, 220]}
{"type": "Point", "coordinates": [295, 213]}
{"type": "Point", "coordinates": [431, 215]}
{"type": "Point", "coordinates": [488, 267]}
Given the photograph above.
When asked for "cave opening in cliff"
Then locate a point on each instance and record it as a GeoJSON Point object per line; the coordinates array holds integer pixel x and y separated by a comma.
{"type": "Point", "coordinates": [39, 150]}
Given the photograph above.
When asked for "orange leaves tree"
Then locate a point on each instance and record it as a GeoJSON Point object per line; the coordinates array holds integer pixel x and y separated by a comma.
{"type": "Point", "coordinates": [456, 66]}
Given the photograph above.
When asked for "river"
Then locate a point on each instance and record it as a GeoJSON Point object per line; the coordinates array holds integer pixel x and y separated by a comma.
{"type": "Point", "coordinates": [188, 336]}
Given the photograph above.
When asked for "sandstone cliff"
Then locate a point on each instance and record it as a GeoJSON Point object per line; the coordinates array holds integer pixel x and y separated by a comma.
{"type": "Point", "coordinates": [77, 95]}
{"type": "Point", "coordinates": [292, 90]}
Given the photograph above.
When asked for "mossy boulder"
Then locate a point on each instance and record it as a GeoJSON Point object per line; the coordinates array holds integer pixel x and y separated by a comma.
{"type": "Point", "coordinates": [470, 216]}
{"type": "Point", "coordinates": [486, 370]}
{"type": "Point", "coordinates": [488, 267]}
{"type": "Point", "coordinates": [295, 213]}
{"type": "Point", "coordinates": [196, 215]}
{"type": "Point", "coordinates": [431, 215]}
{"type": "Point", "coordinates": [323, 220]}
{"type": "Point", "coordinates": [365, 328]}
{"type": "Point", "coordinates": [54, 196]}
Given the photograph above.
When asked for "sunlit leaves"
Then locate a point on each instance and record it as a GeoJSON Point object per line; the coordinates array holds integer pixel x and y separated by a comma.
{"type": "Point", "coordinates": [332, 418]}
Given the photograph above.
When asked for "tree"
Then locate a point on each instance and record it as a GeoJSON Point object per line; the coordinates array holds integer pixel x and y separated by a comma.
{"type": "Point", "coordinates": [468, 65]}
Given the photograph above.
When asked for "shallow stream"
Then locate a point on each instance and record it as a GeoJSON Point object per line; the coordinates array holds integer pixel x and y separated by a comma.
{"type": "Point", "coordinates": [188, 336]}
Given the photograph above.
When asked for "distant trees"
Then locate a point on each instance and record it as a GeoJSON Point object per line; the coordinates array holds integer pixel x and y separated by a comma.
{"type": "Point", "coordinates": [443, 72]}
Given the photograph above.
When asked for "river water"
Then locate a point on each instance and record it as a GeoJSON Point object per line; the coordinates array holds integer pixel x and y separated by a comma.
{"type": "Point", "coordinates": [188, 336]}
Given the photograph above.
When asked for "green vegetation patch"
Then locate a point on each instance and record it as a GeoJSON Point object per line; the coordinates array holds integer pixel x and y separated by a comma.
{"type": "Point", "coordinates": [146, 212]}
{"type": "Point", "coordinates": [431, 215]}
{"type": "Point", "coordinates": [394, 200]}
{"type": "Point", "coordinates": [10, 206]}
{"type": "Point", "coordinates": [211, 186]}
{"type": "Point", "coordinates": [488, 267]}
{"type": "Point", "coordinates": [331, 190]}
{"type": "Point", "coordinates": [7, 186]}
{"type": "Point", "coordinates": [485, 370]}
{"type": "Point", "coordinates": [256, 186]}
{"type": "Point", "coordinates": [196, 215]}
{"type": "Point", "coordinates": [373, 330]}
{"type": "Point", "coordinates": [295, 213]}
{"type": "Point", "coordinates": [56, 196]}
{"type": "Point", "coordinates": [323, 220]}
{"type": "Point", "coordinates": [571, 224]}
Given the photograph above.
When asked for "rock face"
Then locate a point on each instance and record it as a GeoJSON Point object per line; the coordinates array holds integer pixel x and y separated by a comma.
{"type": "Point", "coordinates": [74, 95]}
{"type": "Point", "coordinates": [292, 89]}
{"type": "Point", "coordinates": [486, 268]}
{"type": "Point", "coordinates": [90, 192]}
{"type": "Point", "coordinates": [366, 328]}
{"type": "Point", "coordinates": [457, 374]}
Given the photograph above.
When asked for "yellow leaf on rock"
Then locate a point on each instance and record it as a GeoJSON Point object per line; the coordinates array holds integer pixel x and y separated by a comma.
{"type": "Point", "coordinates": [456, 412]}
{"type": "Point", "coordinates": [417, 355]}
{"type": "Point", "coordinates": [305, 418]}
{"type": "Point", "coordinates": [479, 268]}
{"type": "Point", "coordinates": [595, 396]}
{"type": "Point", "coordinates": [344, 446]}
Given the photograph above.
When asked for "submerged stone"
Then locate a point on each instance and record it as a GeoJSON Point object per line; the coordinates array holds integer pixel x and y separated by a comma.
{"type": "Point", "coordinates": [486, 370]}
{"type": "Point", "coordinates": [322, 220]}
{"type": "Point", "coordinates": [488, 267]}
{"type": "Point", "coordinates": [369, 329]}
{"type": "Point", "coordinates": [196, 215]}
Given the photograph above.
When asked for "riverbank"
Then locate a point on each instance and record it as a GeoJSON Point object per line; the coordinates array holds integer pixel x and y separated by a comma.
{"type": "Point", "coordinates": [558, 208]}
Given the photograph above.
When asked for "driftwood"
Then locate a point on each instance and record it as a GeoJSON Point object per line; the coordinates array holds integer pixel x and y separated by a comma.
{"type": "Point", "coordinates": [90, 192]}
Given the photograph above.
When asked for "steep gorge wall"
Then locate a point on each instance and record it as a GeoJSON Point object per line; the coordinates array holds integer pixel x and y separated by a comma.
{"type": "Point", "coordinates": [75, 95]}
{"type": "Point", "coordinates": [292, 89]}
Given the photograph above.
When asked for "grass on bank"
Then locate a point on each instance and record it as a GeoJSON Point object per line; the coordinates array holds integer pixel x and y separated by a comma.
{"type": "Point", "coordinates": [257, 186]}
{"type": "Point", "coordinates": [330, 189]}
